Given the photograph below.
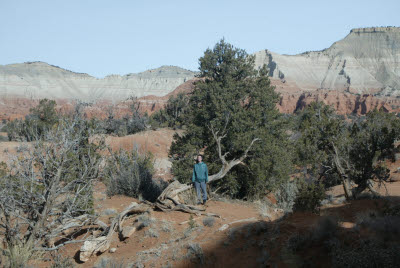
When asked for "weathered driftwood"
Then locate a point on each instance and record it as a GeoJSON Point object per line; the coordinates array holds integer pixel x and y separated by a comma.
{"type": "Point", "coordinates": [70, 226]}
{"type": "Point", "coordinates": [128, 231]}
{"type": "Point", "coordinates": [102, 243]}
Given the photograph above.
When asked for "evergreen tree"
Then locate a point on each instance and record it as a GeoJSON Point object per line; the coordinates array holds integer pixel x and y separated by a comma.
{"type": "Point", "coordinates": [335, 151]}
{"type": "Point", "coordinates": [236, 105]}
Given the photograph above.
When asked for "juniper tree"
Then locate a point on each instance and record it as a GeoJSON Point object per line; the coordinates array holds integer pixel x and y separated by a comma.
{"type": "Point", "coordinates": [232, 116]}
{"type": "Point", "coordinates": [336, 151]}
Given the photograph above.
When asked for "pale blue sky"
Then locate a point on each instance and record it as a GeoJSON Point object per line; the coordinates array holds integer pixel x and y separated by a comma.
{"type": "Point", "coordinates": [101, 37]}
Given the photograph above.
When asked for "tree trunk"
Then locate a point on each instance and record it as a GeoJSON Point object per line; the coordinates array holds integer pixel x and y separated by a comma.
{"type": "Point", "coordinates": [345, 180]}
{"type": "Point", "coordinates": [169, 198]}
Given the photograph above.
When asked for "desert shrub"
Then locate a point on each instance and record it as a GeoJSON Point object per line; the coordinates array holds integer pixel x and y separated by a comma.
{"type": "Point", "coordinates": [209, 221]}
{"type": "Point", "coordinates": [192, 223]}
{"type": "Point", "coordinates": [151, 232]}
{"type": "Point", "coordinates": [130, 123]}
{"type": "Point", "coordinates": [109, 211]}
{"type": "Point", "coordinates": [339, 151]}
{"type": "Point", "coordinates": [111, 263]}
{"type": "Point", "coordinates": [195, 253]}
{"type": "Point", "coordinates": [309, 196]}
{"type": "Point", "coordinates": [326, 228]}
{"type": "Point", "coordinates": [131, 174]}
{"type": "Point", "coordinates": [145, 220]}
{"type": "Point", "coordinates": [62, 262]}
{"type": "Point", "coordinates": [386, 226]}
{"type": "Point", "coordinates": [264, 208]}
{"type": "Point", "coordinates": [18, 255]}
{"type": "Point", "coordinates": [364, 218]}
{"type": "Point", "coordinates": [370, 253]}
{"type": "Point", "coordinates": [46, 185]}
{"type": "Point", "coordinates": [391, 210]}
{"type": "Point", "coordinates": [41, 119]}
{"type": "Point", "coordinates": [286, 195]}
{"type": "Point", "coordinates": [299, 241]}
{"type": "Point", "coordinates": [166, 226]}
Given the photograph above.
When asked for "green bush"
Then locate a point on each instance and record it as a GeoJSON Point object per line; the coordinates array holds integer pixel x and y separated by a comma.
{"type": "Point", "coordinates": [131, 174]}
{"type": "Point", "coordinates": [36, 125]}
{"type": "Point", "coordinates": [309, 196]}
{"type": "Point", "coordinates": [286, 195]}
{"type": "Point", "coordinates": [173, 114]}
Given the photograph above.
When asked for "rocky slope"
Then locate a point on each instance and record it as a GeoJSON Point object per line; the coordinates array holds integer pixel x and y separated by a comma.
{"type": "Point", "coordinates": [41, 80]}
{"type": "Point", "coordinates": [366, 61]}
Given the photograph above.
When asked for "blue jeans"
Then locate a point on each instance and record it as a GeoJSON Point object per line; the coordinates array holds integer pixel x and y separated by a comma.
{"type": "Point", "coordinates": [203, 187]}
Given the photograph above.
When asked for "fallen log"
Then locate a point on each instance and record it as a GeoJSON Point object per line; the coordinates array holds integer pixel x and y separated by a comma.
{"type": "Point", "coordinates": [102, 243]}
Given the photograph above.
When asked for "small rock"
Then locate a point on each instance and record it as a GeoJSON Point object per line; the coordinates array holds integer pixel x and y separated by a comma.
{"type": "Point", "coordinates": [112, 250]}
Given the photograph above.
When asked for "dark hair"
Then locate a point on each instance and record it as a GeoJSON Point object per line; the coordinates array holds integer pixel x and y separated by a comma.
{"type": "Point", "coordinates": [198, 156]}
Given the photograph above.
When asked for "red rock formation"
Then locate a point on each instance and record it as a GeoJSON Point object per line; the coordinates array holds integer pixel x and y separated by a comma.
{"type": "Point", "coordinates": [292, 99]}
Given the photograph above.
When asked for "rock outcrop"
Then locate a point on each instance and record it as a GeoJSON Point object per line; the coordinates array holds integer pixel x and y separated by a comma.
{"type": "Point", "coordinates": [40, 80]}
{"type": "Point", "coordinates": [366, 61]}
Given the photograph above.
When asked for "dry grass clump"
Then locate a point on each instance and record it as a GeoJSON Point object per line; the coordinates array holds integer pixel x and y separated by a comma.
{"type": "Point", "coordinates": [209, 221]}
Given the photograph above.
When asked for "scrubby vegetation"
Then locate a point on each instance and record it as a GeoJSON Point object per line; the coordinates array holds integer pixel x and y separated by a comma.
{"type": "Point", "coordinates": [45, 117]}
{"type": "Point", "coordinates": [253, 150]}
{"type": "Point", "coordinates": [130, 123]}
{"type": "Point", "coordinates": [131, 174]}
{"type": "Point", "coordinates": [36, 125]}
{"type": "Point", "coordinates": [46, 185]}
{"type": "Point", "coordinates": [173, 114]}
{"type": "Point", "coordinates": [234, 105]}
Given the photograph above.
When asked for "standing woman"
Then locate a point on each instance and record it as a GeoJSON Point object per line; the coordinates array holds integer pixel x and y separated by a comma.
{"type": "Point", "coordinates": [200, 178]}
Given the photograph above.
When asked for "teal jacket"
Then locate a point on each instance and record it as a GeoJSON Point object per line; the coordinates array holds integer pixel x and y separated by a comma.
{"type": "Point", "coordinates": [200, 172]}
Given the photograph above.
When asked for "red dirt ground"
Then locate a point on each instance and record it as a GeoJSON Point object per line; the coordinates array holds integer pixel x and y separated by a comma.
{"type": "Point", "coordinates": [245, 244]}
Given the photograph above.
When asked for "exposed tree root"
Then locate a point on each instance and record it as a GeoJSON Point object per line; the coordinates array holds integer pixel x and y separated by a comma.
{"type": "Point", "coordinates": [102, 243]}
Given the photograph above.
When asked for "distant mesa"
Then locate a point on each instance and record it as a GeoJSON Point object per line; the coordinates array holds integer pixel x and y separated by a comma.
{"type": "Point", "coordinates": [41, 80]}
{"type": "Point", "coordinates": [355, 74]}
{"type": "Point", "coordinates": [366, 61]}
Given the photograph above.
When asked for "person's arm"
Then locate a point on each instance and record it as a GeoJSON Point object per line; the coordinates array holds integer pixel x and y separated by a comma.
{"type": "Point", "coordinates": [194, 175]}
{"type": "Point", "coordinates": [206, 173]}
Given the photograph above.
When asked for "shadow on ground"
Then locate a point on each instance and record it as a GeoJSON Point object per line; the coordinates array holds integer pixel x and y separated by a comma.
{"type": "Point", "coordinates": [360, 233]}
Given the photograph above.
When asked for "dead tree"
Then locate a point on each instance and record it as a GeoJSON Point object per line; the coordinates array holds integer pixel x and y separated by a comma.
{"type": "Point", "coordinates": [46, 191]}
{"type": "Point", "coordinates": [169, 199]}
{"type": "Point", "coordinates": [101, 243]}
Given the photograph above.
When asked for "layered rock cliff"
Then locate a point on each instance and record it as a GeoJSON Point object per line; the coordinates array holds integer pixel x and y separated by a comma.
{"type": "Point", "coordinates": [41, 80]}
{"type": "Point", "coordinates": [366, 61]}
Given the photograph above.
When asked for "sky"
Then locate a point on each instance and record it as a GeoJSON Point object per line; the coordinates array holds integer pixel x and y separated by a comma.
{"type": "Point", "coordinates": [102, 37]}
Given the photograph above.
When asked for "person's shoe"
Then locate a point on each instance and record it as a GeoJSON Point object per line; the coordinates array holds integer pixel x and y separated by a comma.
{"type": "Point", "coordinates": [204, 202]}
{"type": "Point", "coordinates": [198, 203]}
